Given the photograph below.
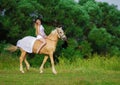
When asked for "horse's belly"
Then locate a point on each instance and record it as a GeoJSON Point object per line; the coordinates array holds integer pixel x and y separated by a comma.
{"type": "Point", "coordinates": [36, 46]}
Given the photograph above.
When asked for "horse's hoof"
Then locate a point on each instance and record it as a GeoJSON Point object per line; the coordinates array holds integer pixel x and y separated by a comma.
{"type": "Point", "coordinates": [55, 73]}
{"type": "Point", "coordinates": [22, 72]}
{"type": "Point", "coordinates": [41, 71]}
{"type": "Point", "coordinates": [27, 69]}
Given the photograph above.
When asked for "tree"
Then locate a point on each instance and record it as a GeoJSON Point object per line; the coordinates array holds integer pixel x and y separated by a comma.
{"type": "Point", "coordinates": [17, 21]}
{"type": "Point", "coordinates": [93, 25]}
{"type": "Point", "coordinates": [100, 39]}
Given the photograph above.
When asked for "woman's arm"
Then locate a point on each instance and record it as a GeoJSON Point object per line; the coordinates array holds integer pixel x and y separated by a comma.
{"type": "Point", "coordinates": [43, 32]}
{"type": "Point", "coordinates": [37, 30]}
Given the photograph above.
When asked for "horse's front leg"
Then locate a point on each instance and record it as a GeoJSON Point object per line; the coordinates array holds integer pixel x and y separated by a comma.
{"type": "Point", "coordinates": [42, 65]}
{"type": "Point", "coordinates": [52, 63]}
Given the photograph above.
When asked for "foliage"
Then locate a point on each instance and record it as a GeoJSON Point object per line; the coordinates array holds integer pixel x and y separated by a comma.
{"type": "Point", "coordinates": [86, 48]}
{"type": "Point", "coordinates": [102, 39]}
{"type": "Point", "coordinates": [2, 46]}
{"type": "Point", "coordinates": [103, 69]}
{"type": "Point", "coordinates": [94, 62]}
{"type": "Point", "coordinates": [92, 25]}
{"type": "Point", "coordinates": [8, 61]}
{"type": "Point", "coordinates": [36, 60]}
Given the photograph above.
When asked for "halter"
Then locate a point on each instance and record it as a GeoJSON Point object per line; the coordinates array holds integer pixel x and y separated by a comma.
{"type": "Point", "coordinates": [58, 35]}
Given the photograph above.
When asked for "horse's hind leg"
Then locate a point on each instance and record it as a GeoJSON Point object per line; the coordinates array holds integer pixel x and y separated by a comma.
{"type": "Point", "coordinates": [42, 65]}
{"type": "Point", "coordinates": [27, 64]}
{"type": "Point", "coordinates": [23, 53]}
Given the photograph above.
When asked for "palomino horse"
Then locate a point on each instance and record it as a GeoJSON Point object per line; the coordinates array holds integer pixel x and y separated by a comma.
{"type": "Point", "coordinates": [48, 49]}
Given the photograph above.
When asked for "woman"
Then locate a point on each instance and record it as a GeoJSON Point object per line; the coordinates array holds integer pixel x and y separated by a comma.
{"type": "Point", "coordinates": [40, 33]}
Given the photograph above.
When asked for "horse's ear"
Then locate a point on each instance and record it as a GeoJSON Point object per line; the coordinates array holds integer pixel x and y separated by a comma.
{"type": "Point", "coordinates": [60, 26]}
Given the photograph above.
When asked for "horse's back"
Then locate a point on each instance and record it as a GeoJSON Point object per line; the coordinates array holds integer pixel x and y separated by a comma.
{"type": "Point", "coordinates": [45, 50]}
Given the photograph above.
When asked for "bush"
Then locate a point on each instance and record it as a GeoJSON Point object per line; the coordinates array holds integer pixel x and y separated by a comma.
{"type": "Point", "coordinates": [100, 38]}
{"type": "Point", "coordinates": [2, 45]}
{"type": "Point", "coordinates": [8, 61]}
{"type": "Point", "coordinates": [95, 62]}
{"type": "Point", "coordinates": [114, 50]}
{"type": "Point", "coordinates": [36, 60]}
{"type": "Point", "coordinates": [70, 52]}
{"type": "Point", "coordinates": [86, 48]}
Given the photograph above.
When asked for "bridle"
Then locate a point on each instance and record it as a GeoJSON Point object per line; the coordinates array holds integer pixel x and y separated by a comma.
{"type": "Point", "coordinates": [58, 35]}
{"type": "Point", "coordinates": [61, 36]}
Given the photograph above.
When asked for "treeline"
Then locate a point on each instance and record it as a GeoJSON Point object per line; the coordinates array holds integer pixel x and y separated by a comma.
{"type": "Point", "coordinates": [91, 27]}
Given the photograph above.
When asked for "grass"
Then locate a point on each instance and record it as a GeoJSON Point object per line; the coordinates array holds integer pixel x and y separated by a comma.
{"type": "Point", "coordinates": [14, 77]}
{"type": "Point", "coordinates": [94, 71]}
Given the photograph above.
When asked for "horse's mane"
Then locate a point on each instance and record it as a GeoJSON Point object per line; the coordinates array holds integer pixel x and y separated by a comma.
{"type": "Point", "coordinates": [52, 33]}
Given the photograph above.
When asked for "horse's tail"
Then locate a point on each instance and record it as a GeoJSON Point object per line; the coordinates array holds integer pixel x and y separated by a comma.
{"type": "Point", "coordinates": [11, 48]}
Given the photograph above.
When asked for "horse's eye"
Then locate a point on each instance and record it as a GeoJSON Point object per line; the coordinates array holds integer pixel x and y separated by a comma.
{"type": "Point", "coordinates": [60, 32]}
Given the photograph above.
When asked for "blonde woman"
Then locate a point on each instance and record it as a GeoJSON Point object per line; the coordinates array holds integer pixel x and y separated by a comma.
{"type": "Point", "coordinates": [40, 34]}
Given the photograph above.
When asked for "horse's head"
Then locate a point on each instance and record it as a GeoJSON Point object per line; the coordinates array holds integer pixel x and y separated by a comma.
{"type": "Point", "coordinates": [61, 33]}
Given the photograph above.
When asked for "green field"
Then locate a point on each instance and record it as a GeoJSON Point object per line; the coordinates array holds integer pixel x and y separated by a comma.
{"type": "Point", "coordinates": [95, 71]}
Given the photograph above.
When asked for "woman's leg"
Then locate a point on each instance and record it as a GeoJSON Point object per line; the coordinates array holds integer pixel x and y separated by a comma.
{"type": "Point", "coordinates": [43, 43]}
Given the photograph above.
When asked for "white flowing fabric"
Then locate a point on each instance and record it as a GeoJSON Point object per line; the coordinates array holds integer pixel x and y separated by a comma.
{"type": "Point", "coordinates": [26, 43]}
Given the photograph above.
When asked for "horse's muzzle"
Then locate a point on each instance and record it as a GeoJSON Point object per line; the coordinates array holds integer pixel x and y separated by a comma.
{"type": "Point", "coordinates": [64, 38]}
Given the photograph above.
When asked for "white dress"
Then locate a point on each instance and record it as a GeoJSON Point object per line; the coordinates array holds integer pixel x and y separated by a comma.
{"type": "Point", "coordinates": [42, 33]}
{"type": "Point", "coordinates": [26, 43]}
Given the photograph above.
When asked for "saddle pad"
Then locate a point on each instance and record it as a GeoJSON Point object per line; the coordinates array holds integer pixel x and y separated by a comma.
{"type": "Point", "coordinates": [26, 43]}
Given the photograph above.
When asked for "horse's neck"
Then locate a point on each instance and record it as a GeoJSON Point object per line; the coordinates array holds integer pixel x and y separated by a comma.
{"type": "Point", "coordinates": [53, 36]}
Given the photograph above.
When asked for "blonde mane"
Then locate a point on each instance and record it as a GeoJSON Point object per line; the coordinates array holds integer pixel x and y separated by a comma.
{"type": "Point", "coordinates": [52, 33]}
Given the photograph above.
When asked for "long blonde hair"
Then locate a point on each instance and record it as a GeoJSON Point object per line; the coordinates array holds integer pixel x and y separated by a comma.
{"type": "Point", "coordinates": [35, 26]}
